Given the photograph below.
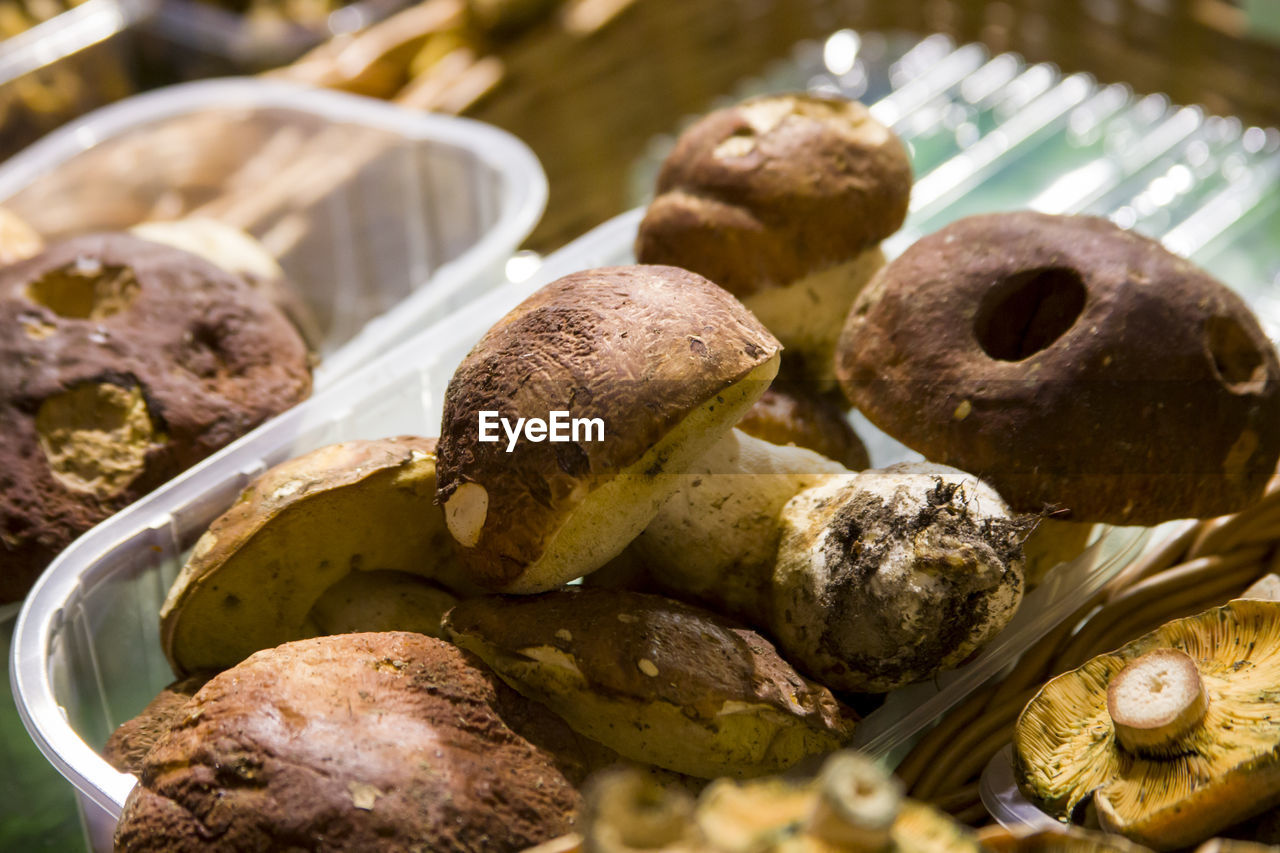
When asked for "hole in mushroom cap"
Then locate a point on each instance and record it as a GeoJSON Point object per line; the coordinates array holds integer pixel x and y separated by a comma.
{"type": "Point", "coordinates": [1026, 312]}
{"type": "Point", "coordinates": [96, 437]}
{"type": "Point", "coordinates": [85, 289]}
{"type": "Point", "coordinates": [1235, 357]}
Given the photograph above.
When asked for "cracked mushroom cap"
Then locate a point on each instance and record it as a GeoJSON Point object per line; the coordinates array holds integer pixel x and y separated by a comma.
{"type": "Point", "coordinates": [656, 680]}
{"type": "Point", "coordinates": [1072, 365]}
{"type": "Point", "coordinates": [665, 360]}
{"type": "Point", "coordinates": [123, 362]}
{"type": "Point", "coordinates": [389, 741]}
{"type": "Point", "coordinates": [1175, 735]}
{"type": "Point", "coordinates": [345, 537]}
{"type": "Point", "coordinates": [764, 193]}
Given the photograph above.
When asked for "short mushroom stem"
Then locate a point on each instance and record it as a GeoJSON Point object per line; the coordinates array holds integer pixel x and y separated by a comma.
{"type": "Point", "coordinates": [627, 809]}
{"type": "Point", "coordinates": [857, 804]}
{"type": "Point", "coordinates": [1155, 701]}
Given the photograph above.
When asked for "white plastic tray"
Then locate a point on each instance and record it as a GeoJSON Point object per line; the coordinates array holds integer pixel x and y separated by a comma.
{"type": "Point", "coordinates": [87, 654]}
{"type": "Point", "coordinates": [427, 214]}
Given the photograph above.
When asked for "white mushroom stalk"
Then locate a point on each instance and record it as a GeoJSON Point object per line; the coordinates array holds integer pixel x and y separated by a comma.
{"type": "Point", "coordinates": [857, 804]}
{"type": "Point", "coordinates": [1155, 702]}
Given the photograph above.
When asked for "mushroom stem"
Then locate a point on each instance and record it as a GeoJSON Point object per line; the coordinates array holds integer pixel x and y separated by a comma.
{"type": "Point", "coordinates": [1155, 701]}
{"type": "Point", "coordinates": [716, 538]}
{"type": "Point", "coordinates": [627, 809]}
{"type": "Point", "coordinates": [857, 804]}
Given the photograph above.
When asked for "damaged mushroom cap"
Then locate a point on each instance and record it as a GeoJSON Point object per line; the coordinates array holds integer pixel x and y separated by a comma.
{"type": "Point", "coordinates": [658, 681]}
{"type": "Point", "coordinates": [666, 361]}
{"type": "Point", "coordinates": [303, 536]}
{"type": "Point", "coordinates": [1072, 365]}
{"type": "Point", "coordinates": [1207, 751]}
{"type": "Point", "coordinates": [892, 575]}
{"type": "Point", "coordinates": [388, 741]}
{"type": "Point", "coordinates": [782, 200]}
{"type": "Point", "coordinates": [794, 413]}
{"type": "Point", "coordinates": [123, 362]}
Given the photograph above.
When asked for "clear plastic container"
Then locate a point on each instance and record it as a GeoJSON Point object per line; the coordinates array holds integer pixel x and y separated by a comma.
{"type": "Point", "coordinates": [66, 66]}
{"type": "Point", "coordinates": [385, 219]}
{"type": "Point", "coordinates": [87, 654]}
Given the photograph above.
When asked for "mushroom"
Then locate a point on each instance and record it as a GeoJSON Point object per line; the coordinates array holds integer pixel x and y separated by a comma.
{"type": "Point", "coordinates": [853, 806]}
{"type": "Point", "coordinates": [1075, 366]}
{"type": "Point", "coordinates": [346, 537]}
{"type": "Point", "coordinates": [387, 741]}
{"type": "Point", "coordinates": [1175, 736]}
{"type": "Point", "coordinates": [665, 361]}
{"type": "Point", "coordinates": [658, 681]}
{"type": "Point", "coordinates": [782, 200]}
{"type": "Point", "coordinates": [890, 576]}
{"type": "Point", "coordinates": [123, 362]}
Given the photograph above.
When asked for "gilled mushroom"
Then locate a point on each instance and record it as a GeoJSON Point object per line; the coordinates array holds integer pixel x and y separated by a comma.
{"type": "Point", "coordinates": [782, 200]}
{"type": "Point", "coordinates": [657, 681]}
{"type": "Point", "coordinates": [1175, 736]}
{"type": "Point", "coordinates": [344, 538]}
{"type": "Point", "coordinates": [665, 361]}
{"type": "Point", "coordinates": [378, 742]}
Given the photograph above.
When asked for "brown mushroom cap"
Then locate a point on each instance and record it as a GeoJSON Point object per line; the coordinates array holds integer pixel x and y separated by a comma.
{"type": "Point", "coordinates": [305, 526]}
{"type": "Point", "coordinates": [123, 362]}
{"type": "Point", "coordinates": [658, 681]}
{"type": "Point", "coordinates": [1071, 364]}
{"type": "Point", "coordinates": [665, 359]}
{"type": "Point", "coordinates": [792, 413]}
{"type": "Point", "coordinates": [388, 741]}
{"type": "Point", "coordinates": [1221, 770]}
{"type": "Point", "coordinates": [763, 193]}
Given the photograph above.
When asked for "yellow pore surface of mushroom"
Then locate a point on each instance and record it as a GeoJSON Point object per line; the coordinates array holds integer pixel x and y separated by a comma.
{"type": "Point", "coordinates": [1222, 770]}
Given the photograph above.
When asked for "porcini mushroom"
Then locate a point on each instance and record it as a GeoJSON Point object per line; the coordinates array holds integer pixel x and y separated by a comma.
{"type": "Point", "coordinates": [303, 538]}
{"type": "Point", "coordinates": [1175, 736]}
{"type": "Point", "coordinates": [386, 741]}
{"type": "Point", "coordinates": [657, 681]}
{"type": "Point", "coordinates": [792, 413]}
{"type": "Point", "coordinates": [891, 575]}
{"type": "Point", "coordinates": [666, 361]}
{"type": "Point", "coordinates": [123, 362]}
{"type": "Point", "coordinates": [1073, 365]}
{"type": "Point", "coordinates": [782, 200]}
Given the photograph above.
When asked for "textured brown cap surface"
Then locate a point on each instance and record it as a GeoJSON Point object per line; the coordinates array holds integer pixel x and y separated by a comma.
{"type": "Point", "coordinates": [765, 192]}
{"type": "Point", "coordinates": [641, 348]}
{"type": "Point", "coordinates": [388, 741]}
{"type": "Point", "coordinates": [1070, 364]}
{"type": "Point", "coordinates": [123, 362]}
